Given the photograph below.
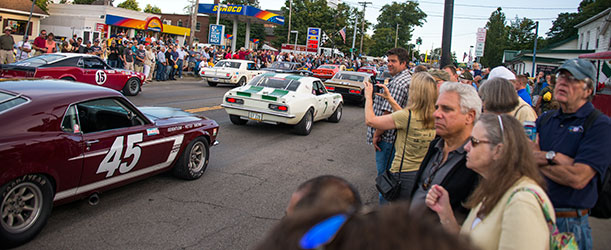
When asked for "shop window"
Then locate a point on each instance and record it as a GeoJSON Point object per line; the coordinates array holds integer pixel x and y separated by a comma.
{"type": "Point", "coordinates": [167, 22]}
{"type": "Point", "coordinates": [198, 25]}
{"type": "Point", "coordinates": [18, 26]}
{"type": "Point", "coordinates": [179, 23]}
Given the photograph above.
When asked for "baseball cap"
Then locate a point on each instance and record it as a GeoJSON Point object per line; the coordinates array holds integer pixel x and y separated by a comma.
{"type": "Point", "coordinates": [466, 75]}
{"type": "Point", "coordinates": [579, 68]}
{"type": "Point", "coordinates": [440, 74]}
{"type": "Point", "coordinates": [8, 28]}
{"type": "Point", "coordinates": [501, 72]}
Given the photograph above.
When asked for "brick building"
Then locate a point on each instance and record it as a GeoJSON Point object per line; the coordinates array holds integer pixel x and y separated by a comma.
{"type": "Point", "coordinates": [184, 20]}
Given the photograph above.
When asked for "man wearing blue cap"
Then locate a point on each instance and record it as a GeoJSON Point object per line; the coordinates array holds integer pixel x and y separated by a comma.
{"type": "Point", "coordinates": [574, 144]}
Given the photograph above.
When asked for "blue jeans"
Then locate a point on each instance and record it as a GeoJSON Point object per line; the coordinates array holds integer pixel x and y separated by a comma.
{"type": "Point", "coordinates": [578, 226]}
{"type": "Point", "coordinates": [160, 72]}
{"type": "Point", "coordinates": [112, 63]}
{"type": "Point", "coordinates": [169, 72]}
{"type": "Point", "coordinates": [179, 63]}
{"type": "Point", "coordinates": [384, 160]}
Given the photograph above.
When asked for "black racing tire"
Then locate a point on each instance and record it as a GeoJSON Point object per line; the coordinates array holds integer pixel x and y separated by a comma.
{"type": "Point", "coordinates": [235, 119]}
{"type": "Point", "coordinates": [337, 115]}
{"type": "Point", "coordinates": [67, 78]}
{"type": "Point", "coordinates": [242, 81]}
{"type": "Point", "coordinates": [31, 198]}
{"type": "Point", "coordinates": [194, 160]}
{"type": "Point", "coordinates": [212, 84]}
{"type": "Point", "coordinates": [304, 127]}
{"type": "Point", "coordinates": [132, 87]}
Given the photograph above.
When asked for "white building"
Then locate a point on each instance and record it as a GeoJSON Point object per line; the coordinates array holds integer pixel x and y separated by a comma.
{"type": "Point", "coordinates": [594, 32]}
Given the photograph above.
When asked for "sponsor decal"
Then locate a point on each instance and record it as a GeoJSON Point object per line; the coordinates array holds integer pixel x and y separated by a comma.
{"type": "Point", "coordinates": [172, 129]}
{"type": "Point", "coordinates": [152, 131]}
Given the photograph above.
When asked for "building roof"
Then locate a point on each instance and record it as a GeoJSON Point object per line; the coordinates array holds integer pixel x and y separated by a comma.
{"type": "Point", "coordinates": [594, 18]}
{"type": "Point", "coordinates": [20, 7]}
{"type": "Point", "coordinates": [559, 43]}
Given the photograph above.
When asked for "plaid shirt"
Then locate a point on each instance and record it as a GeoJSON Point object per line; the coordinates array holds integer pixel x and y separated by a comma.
{"type": "Point", "coordinates": [398, 87]}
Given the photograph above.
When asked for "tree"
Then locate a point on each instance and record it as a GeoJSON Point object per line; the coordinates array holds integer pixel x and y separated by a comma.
{"type": "Point", "coordinates": [564, 25]}
{"type": "Point", "coordinates": [130, 5]}
{"type": "Point", "coordinates": [152, 9]}
{"type": "Point", "coordinates": [496, 39]}
{"type": "Point", "coordinates": [521, 34]}
{"type": "Point", "coordinates": [407, 15]}
{"type": "Point", "coordinates": [42, 4]}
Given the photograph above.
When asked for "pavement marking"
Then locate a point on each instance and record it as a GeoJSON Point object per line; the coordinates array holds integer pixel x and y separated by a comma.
{"type": "Point", "coordinates": [197, 110]}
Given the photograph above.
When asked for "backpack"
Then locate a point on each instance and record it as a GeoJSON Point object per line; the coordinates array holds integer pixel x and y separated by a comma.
{"type": "Point", "coordinates": [602, 208]}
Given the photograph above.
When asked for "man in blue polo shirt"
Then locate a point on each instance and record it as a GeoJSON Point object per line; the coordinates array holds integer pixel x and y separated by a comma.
{"type": "Point", "coordinates": [573, 161]}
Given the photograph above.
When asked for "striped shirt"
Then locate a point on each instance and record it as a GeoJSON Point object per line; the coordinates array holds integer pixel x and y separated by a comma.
{"type": "Point", "coordinates": [398, 87]}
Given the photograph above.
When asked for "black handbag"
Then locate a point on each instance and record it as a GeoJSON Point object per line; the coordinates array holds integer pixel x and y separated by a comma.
{"type": "Point", "coordinates": [386, 183]}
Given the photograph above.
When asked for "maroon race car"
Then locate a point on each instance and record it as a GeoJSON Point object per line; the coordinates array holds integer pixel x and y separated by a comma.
{"type": "Point", "coordinates": [75, 67]}
{"type": "Point", "coordinates": [61, 141]}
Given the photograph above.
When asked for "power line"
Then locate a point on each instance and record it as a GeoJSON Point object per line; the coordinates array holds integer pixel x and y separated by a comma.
{"type": "Point", "coordinates": [506, 7]}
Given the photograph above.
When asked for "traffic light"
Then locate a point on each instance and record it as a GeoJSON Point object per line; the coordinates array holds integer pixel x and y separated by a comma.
{"type": "Point", "coordinates": [419, 41]}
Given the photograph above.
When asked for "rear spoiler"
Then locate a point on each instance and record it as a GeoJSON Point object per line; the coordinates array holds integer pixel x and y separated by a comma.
{"type": "Point", "coordinates": [11, 70]}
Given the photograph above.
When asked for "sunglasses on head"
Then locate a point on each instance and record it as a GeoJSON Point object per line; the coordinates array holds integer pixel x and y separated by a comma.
{"type": "Point", "coordinates": [325, 231]}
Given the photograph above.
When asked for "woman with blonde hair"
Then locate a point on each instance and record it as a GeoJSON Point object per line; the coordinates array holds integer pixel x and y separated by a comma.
{"type": "Point", "coordinates": [415, 127]}
{"type": "Point", "coordinates": [509, 207]}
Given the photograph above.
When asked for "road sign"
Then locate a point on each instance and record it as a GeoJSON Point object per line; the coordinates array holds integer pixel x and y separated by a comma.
{"type": "Point", "coordinates": [216, 34]}
{"type": "Point", "coordinates": [480, 42]}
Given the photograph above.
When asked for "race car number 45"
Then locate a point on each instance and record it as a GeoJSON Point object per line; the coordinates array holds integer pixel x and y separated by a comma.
{"type": "Point", "coordinates": [113, 159]}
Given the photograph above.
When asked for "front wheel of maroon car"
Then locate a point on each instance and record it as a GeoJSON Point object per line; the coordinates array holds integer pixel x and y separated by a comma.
{"type": "Point", "coordinates": [194, 160]}
{"type": "Point", "coordinates": [26, 205]}
{"type": "Point", "coordinates": [132, 87]}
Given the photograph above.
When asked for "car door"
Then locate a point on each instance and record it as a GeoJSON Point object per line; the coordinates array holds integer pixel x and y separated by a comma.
{"type": "Point", "coordinates": [96, 72]}
{"type": "Point", "coordinates": [251, 70]}
{"type": "Point", "coordinates": [322, 100]}
{"type": "Point", "coordinates": [120, 143]}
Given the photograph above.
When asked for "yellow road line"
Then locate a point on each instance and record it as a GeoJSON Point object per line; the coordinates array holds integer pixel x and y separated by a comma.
{"type": "Point", "coordinates": [197, 110]}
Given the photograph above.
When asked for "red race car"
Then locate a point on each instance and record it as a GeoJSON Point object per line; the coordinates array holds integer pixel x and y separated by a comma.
{"type": "Point", "coordinates": [326, 71]}
{"type": "Point", "coordinates": [75, 67]}
{"type": "Point", "coordinates": [61, 141]}
{"type": "Point", "coordinates": [369, 69]}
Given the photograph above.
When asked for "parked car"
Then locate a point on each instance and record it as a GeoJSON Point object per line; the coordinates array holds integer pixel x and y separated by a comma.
{"type": "Point", "coordinates": [62, 141]}
{"type": "Point", "coordinates": [236, 72]}
{"type": "Point", "coordinates": [350, 85]}
{"type": "Point", "coordinates": [283, 98]}
{"type": "Point", "coordinates": [289, 68]}
{"type": "Point", "coordinates": [75, 67]}
{"type": "Point", "coordinates": [326, 71]}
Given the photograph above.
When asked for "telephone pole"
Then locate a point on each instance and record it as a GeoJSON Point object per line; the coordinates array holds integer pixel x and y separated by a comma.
{"type": "Point", "coordinates": [363, 24]}
{"type": "Point", "coordinates": [194, 11]}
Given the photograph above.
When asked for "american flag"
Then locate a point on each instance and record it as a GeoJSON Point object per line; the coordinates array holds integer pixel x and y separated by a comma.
{"type": "Point", "coordinates": [342, 32]}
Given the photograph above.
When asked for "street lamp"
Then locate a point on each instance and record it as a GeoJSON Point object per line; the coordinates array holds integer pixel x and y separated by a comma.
{"type": "Point", "coordinates": [397, 31]}
{"type": "Point", "coordinates": [218, 13]}
{"type": "Point", "coordinates": [296, 35]}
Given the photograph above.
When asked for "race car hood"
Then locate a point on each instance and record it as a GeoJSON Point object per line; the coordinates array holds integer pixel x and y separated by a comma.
{"type": "Point", "coordinates": [157, 114]}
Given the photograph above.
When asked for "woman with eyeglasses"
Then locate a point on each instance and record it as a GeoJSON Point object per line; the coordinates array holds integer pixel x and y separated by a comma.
{"type": "Point", "coordinates": [506, 212]}
{"type": "Point", "coordinates": [415, 127]}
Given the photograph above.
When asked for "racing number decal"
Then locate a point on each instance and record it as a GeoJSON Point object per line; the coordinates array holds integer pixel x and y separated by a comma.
{"type": "Point", "coordinates": [100, 77]}
{"type": "Point", "coordinates": [112, 160]}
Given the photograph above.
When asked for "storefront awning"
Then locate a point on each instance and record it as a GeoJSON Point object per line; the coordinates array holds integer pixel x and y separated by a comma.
{"type": "Point", "coordinates": [243, 13]}
{"type": "Point", "coordinates": [150, 24]}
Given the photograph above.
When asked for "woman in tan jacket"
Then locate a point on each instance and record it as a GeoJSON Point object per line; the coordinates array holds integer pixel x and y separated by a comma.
{"type": "Point", "coordinates": [505, 209]}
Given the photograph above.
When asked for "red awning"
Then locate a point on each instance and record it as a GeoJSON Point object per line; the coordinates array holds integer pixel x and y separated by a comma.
{"type": "Point", "coordinates": [605, 55]}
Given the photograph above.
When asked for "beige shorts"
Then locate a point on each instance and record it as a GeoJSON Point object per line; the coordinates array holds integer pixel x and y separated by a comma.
{"type": "Point", "coordinates": [7, 56]}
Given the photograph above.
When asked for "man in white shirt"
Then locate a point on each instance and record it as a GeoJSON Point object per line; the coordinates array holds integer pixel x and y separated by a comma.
{"type": "Point", "coordinates": [181, 59]}
{"type": "Point", "coordinates": [23, 50]}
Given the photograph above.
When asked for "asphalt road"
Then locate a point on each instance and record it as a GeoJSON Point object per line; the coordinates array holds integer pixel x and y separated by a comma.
{"type": "Point", "coordinates": [242, 194]}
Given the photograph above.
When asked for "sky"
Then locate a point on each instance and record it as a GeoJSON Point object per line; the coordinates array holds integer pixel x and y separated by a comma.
{"type": "Point", "coordinates": [468, 16]}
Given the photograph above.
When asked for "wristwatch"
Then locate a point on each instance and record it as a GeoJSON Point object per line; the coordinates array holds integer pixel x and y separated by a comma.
{"type": "Point", "coordinates": [550, 156]}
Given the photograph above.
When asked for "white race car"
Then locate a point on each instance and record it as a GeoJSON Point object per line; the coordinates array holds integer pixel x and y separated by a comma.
{"type": "Point", "coordinates": [283, 98]}
{"type": "Point", "coordinates": [237, 72]}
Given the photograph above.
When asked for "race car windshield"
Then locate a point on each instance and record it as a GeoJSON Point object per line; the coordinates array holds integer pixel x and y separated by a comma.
{"type": "Point", "coordinates": [39, 60]}
{"type": "Point", "coordinates": [281, 65]}
{"type": "Point", "coordinates": [349, 77]}
{"type": "Point", "coordinates": [275, 82]}
{"type": "Point", "coordinates": [227, 64]}
{"type": "Point", "coordinates": [326, 67]}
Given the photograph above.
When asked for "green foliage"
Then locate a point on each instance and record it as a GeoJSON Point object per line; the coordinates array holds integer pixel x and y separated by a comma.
{"type": "Point", "coordinates": [496, 39]}
{"type": "Point", "coordinates": [407, 15]}
{"type": "Point", "coordinates": [83, 1]}
{"type": "Point", "coordinates": [521, 34]}
{"type": "Point", "coordinates": [152, 9]}
{"type": "Point", "coordinates": [130, 5]}
{"type": "Point", "coordinates": [42, 4]}
{"type": "Point", "coordinates": [564, 25]}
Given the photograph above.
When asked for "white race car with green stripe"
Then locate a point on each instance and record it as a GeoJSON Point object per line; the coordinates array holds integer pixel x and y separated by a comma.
{"type": "Point", "coordinates": [283, 98]}
{"type": "Point", "coordinates": [237, 72]}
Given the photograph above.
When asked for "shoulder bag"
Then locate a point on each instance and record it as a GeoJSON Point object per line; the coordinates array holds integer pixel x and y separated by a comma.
{"type": "Point", "coordinates": [387, 184]}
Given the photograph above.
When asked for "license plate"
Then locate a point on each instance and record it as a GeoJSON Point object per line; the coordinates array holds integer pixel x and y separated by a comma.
{"type": "Point", "coordinates": [215, 79]}
{"type": "Point", "coordinates": [255, 116]}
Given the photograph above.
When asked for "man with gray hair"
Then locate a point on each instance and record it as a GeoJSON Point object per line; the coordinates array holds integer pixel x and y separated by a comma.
{"type": "Point", "coordinates": [458, 108]}
{"type": "Point", "coordinates": [574, 144]}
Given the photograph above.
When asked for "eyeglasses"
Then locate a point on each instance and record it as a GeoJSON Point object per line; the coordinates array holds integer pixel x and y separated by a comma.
{"type": "Point", "coordinates": [324, 232]}
{"type": "Point", "coordinates": [475, 141]}
{"type": "Point", "coordinates": [568, 78]}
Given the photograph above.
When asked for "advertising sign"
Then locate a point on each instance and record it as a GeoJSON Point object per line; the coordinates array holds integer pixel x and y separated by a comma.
{"type": "Point", "coordinates": [216, 34]}
{"type": "Point", "coordinates": [313, 38]}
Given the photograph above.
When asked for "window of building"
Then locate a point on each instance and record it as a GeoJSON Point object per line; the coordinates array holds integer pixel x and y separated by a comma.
{"type": "Point", "coordinates": [581, 41]}
{"type": "Point", "coordinates": [198, 25]}
{"type": "Point", "coordinates": [597, 35]}
{"type": "Point", "coordinates": [18, 26]}
{"type": "Point", "coordinates": [588, 39]}
{"type": "Point", "coordinates": [168, 22]}
{"type": "Point", "coordinates": [180, 23]}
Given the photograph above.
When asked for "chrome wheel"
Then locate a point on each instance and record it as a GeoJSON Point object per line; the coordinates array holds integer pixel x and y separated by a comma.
{"type": "Point", "coordinates": [21, 207]}
{"type": "Point", "coordinates": [308, 124]}
{"type": "Point", "coordinates": [197, 157]}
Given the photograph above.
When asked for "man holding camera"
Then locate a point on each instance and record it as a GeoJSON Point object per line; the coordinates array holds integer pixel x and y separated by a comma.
{"type": "Point", "coordinates": [398, 86]}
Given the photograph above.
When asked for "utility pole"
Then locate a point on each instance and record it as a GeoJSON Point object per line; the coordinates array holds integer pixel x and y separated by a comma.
{"type": "Point", "coordinates": [194, 11]}
{"type": "Point", "coordinates": [396, 35]}
{"type": "Point", "coordinates": [356, 20]}
{"type": "Point", "coordinates": [288, 35]}
{"type": "Point", "coordinates": [363, 24]}
{"type": "Point", "coordinates": [535, 48]}
{"type": "Point", "coordinates": [446, 38]}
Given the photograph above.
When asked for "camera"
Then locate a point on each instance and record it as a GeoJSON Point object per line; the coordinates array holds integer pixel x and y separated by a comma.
{"type": "Point", "coordinates": [377, 89]}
